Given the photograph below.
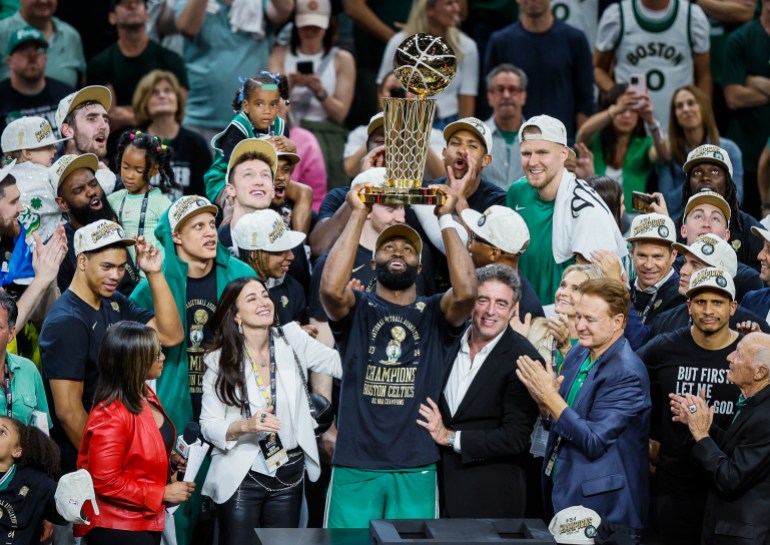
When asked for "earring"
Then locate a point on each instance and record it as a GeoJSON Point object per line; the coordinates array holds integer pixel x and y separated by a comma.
{"type": "Point", "coordinates": [240, 328]}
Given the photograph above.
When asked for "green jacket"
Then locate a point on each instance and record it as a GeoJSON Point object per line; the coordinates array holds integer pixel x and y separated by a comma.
{"type": "Point", "coordinates": [172, 386]}
{"type": "Point", "coordinates": [215, 175]}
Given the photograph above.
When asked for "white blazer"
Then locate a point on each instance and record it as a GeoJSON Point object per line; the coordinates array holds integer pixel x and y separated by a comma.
{"type": "Point", "coordinates": [231, 460]}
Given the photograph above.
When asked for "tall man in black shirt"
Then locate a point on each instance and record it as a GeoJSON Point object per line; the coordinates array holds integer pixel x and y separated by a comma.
{"type": "Point", "coordinates": [393, 344]}
{"type": "Point", "coordinates": [77, 322]}
{"type": "Point", "coordinates": [689, 360]}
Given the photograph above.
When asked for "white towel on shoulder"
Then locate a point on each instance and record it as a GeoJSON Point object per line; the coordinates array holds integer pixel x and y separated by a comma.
{"type": "Point", "coordinates": [582, 222]}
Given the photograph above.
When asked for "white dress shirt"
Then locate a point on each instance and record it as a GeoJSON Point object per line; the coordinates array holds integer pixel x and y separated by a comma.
{"type": "Point", "coordinates": [464, 370]}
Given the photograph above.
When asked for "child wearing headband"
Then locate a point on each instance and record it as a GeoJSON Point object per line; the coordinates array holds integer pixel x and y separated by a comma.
{"type": "Point", "coordinates": [256, 103]}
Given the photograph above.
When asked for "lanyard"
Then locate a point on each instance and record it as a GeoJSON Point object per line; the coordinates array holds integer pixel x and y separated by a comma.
{"type": "Point", "coordinates": [269, 397]}
{"type": "Point", "coordinates": [646, 311]}
{"type": "Point", "coordinates": [585, 368]}
{"type": "Point", "coordinates": [142, 212]}
{"type": "Point", "coordinates": [8, 392]}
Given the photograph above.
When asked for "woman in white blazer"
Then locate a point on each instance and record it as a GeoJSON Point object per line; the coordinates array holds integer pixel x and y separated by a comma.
{"type": "Point", "coordinates": [256, 413]}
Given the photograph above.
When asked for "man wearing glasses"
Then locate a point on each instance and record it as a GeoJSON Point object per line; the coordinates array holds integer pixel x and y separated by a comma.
{"type": "Point", "coordinates": [506, 95]}
{"type": "Point", "coordinates": [27, 90]}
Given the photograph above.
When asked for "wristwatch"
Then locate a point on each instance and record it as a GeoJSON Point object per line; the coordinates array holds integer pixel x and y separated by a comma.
{"type": "Point", "coordinates": [451, 439]}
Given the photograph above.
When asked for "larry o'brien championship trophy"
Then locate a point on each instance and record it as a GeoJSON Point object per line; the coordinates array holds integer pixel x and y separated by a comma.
{"type": "Point", "coordinates": [424, 65]}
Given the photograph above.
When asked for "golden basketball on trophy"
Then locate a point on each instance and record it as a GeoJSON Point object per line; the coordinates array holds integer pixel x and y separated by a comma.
{"type": "Point", "coordinates": [424, 65]}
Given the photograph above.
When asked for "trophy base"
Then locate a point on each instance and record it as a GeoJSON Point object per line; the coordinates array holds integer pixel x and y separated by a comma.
{"type": "Point", "coordinates": [402, 195]}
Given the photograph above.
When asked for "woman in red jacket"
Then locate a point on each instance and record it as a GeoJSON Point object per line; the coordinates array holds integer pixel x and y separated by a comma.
{"type": "Point", "coordinates": [127, 443]}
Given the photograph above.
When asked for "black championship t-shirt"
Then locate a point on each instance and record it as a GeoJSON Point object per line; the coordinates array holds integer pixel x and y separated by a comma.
{"type": "Point", "coordinates": [200, 306]}
{"type": "Point", "coordinates": [677, 365]}
{"type": "Point", "coordinates": [289, 300]}
{"type": "Point", "coordinates": [69, 347]}
{"type": "Point", "coordinates": [393, 358]}
{"type": "Point", "coordinates": [28, 499]}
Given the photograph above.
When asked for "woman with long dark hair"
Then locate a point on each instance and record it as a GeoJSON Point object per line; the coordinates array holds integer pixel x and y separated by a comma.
{"type": "Point", "coordinates": [616, 136]}
{"type": "Point", "coordinates": [127, 443]}
{"type": "Point", "coordinates": [256, 412]}
{"type": "Point", "coordinates": [692, 124]}
{"type": "Point", "coordinates": [322, 80]}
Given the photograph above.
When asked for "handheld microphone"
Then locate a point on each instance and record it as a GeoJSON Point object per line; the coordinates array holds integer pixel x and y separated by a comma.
{"type": "Point", "coordinates": [188, 439]}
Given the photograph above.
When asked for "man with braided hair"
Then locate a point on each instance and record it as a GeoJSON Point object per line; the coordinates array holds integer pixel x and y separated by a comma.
{"type": "Point", "coordinates": [709, 167]}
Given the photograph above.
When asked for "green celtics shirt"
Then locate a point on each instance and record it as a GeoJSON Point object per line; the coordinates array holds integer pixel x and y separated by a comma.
{"type": "Point", "coordinates": [748, 54]}
{"type": "Point", "coordinates": [537, 262]}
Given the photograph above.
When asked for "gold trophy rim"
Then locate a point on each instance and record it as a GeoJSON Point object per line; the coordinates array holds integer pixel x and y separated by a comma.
{"type": "Point", "coordinates": [388, 195]}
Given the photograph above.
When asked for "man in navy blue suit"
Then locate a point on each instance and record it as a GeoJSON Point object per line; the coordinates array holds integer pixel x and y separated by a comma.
{"type": "Point", "coordinates": [598, 414]}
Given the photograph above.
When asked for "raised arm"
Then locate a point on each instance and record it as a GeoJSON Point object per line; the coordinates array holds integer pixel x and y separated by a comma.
{"type": "Point", "coordinates": [364, 17]}
{"type": "Point", "coordinates": [302, 197]}
{"type": "Point", "coordinates": [336, 296]}
{"type": "Point", "coordinates": [457, 303]}
{"type": "Point", "coordinates": [191, 18]}
{"type": "Point", "coordinates": [166, 322]}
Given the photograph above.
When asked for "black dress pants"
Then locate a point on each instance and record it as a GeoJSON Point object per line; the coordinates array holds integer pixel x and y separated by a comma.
{"type": "Point", "coordinates": [262, 501]}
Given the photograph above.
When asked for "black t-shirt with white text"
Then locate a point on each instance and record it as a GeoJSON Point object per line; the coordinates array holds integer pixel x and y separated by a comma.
{"type": "Point", "coordinates": [393, 358]}
{"type": "Point", "coordinates": [200, 306]}
{"type": "Point", "coordinates": [28, 499]}
{"type": "Point", "coordinates": [677, 365]}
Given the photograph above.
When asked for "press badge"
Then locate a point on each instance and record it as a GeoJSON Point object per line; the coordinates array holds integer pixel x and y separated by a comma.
{"type": "Point", "coordinates": [273, 451]}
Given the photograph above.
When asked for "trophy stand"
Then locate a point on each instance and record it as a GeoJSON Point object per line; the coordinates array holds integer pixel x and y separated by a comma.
{"type": "Point", "coordinates": [424, 65]}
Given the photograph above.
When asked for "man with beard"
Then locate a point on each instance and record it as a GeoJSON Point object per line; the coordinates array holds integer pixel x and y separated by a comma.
{"type": "Point", "coordinates": [29, 286]}
{"type": "Point", "coordinates": [80, 196]}
{"type": "Point", "coordinates": [709, 167]}
{"type": "Point", "coordinates": [689, 361]}
{"type": "Point", "coordinates": [27, 91]}
{"type": "Point", "coordinates": [124, 63]}
{"type": "Point", "coordinates": [394, 345]}
{"type": "Point", "coordinates": [66, 61]}
{"type": "Point", "coordinates": [82, 117]}
{"type": "Point", "coordinates": [570, 218]}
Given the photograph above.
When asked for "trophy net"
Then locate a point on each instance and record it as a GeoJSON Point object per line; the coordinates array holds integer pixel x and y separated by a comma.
{"type": "Point", "coordinates": [407, 136]}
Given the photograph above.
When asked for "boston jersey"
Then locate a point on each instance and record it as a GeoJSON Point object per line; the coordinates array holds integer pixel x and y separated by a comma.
{"type": "Point", "coordinates": [581, 14]}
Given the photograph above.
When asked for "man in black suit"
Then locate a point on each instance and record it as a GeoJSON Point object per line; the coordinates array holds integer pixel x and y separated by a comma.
{"type": "Point", "coordinates": [485, 415]}
{"type": "Point", "coordinates": [736, 459]}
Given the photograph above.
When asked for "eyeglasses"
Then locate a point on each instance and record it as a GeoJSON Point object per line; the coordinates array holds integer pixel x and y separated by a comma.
{"type": "Point", "coordinates": [510, 89]}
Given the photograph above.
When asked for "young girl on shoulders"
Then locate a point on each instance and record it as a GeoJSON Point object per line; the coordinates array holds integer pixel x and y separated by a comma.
{"type": "Point", "coordinates": [256, 103]}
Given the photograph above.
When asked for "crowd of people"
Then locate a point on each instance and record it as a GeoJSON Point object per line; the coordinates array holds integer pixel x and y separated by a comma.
{"type": "Point", "coordinates": [578, 332]}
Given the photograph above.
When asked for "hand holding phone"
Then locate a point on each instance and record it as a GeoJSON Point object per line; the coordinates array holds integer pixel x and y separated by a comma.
{"type": "Point", "coordinates": [305, 67]}
{"type": "Point", "coordinates": [643, 202]}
